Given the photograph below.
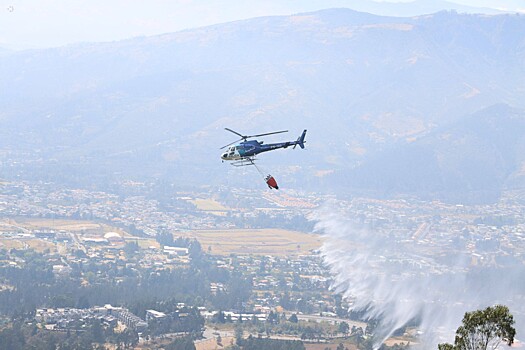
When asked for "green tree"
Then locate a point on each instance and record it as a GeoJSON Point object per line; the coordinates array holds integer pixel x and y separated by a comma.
{"type": "Point", "coordinates": [239, 333]}
{"type": "Point", "coordinates": [483, 329]}
{"type": "Point", "coordinates": [344, 328]}
{"type": "Point", "coordinates": [446, 346]}
{"type": "Point", "coordinates": [131, 248]}
{"type": "Point", "coordinates": [96, 331]}
{"type": "Point", "coordinates": [359, 336]}
{"type": "Point", "coordinates": [165, 238]}
{"type": "Point", "coordinates": [220, 317]}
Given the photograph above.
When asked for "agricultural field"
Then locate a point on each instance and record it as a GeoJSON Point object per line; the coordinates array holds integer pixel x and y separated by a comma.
{"type": "Point", "coordinates": [22, 243]}
{"type": "Point", "coordinates": [222, 242]}
{"type": "Point", "coordinates": [52, 224]}
{"type": "Point", "coordinates": [18, 233]}
{"type": "Point", "coordinates": [261, 241]}
{"type": "Point", "coordinates": [74, 226]}
{"type": "Point", "coordinates": [209, 205]}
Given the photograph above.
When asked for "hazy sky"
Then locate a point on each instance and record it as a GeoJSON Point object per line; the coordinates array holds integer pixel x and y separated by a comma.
{"type": "Point", "coordinates": [46, 23]}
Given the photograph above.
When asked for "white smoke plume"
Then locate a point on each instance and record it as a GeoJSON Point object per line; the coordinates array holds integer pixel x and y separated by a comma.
{"type": "Point", "coordinates": [396, 282]}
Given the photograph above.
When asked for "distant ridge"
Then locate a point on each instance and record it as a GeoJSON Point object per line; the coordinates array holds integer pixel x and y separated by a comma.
{"type": "Point", "coordinates": [481, 153]}
{"type": "Point", "coordinates": [368, 88]}
{"type": "Point", "coordinates": [415, 8]}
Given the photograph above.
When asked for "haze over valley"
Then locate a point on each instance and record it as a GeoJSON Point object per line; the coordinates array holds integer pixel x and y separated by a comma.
{"type": "Point", "coordinates": [404, 211]}
{"type": "Point", "coordinates": [377, 93]}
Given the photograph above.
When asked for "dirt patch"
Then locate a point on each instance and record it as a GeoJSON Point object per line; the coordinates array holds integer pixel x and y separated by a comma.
{"type": "Point", "coordinates": [211, 344]}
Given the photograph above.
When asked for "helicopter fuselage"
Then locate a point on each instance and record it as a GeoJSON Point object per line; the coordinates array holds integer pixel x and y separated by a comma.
{"type": "Point", "coordinates": [248, 149]}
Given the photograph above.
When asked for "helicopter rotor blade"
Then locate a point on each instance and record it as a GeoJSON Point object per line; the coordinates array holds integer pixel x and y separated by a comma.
{"type": "Point", "coordinates": [244, 137]}
{"type": "Point", "coordinates": [231, 143]}
{"type": "Point", "coordinates": [269, 133]}
{"type": "Point", "coordinates": [236, 133]}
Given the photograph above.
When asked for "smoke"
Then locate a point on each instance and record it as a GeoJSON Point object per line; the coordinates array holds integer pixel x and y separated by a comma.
{"type": "Point", "coordinates": [402, 281]}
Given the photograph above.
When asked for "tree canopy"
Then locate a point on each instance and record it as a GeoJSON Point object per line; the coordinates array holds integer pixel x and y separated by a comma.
{"type": "Point", "coordinates": [484, 329]}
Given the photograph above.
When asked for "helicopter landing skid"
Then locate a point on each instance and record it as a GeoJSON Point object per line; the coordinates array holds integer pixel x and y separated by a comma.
{"type": "Point", "coordinates": [244, 162]}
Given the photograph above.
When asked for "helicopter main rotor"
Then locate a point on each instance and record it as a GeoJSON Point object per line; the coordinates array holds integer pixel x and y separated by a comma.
{"type": "Point", "coordinates": [245, 137]}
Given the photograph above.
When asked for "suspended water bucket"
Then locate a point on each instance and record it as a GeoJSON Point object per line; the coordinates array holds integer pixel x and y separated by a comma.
{"type": "Point", "coordinates": [270, 181]}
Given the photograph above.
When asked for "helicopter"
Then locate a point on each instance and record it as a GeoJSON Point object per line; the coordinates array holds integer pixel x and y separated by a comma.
{"type": "Point", "coordinates": [244, 153]}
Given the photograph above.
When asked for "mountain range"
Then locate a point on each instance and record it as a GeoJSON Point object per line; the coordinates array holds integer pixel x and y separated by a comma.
{"type": "Point", "coordinates": [413, 8]}
{"type": "Point", "coordinates": [429, 105]}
